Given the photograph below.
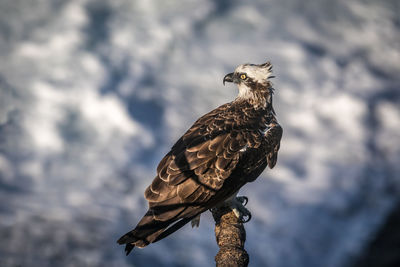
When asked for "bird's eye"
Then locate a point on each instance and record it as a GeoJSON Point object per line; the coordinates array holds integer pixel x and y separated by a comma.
{"type": "Point", "coordinates": [243, 76]}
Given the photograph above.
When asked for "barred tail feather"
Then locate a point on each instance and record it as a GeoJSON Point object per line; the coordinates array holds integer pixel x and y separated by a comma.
{"type": "Point", "coordinates": [149, 231]}
{"type": "Point", "coordinates": [131, 239]}
{"type": "Point", "coordinates": [144, 233]}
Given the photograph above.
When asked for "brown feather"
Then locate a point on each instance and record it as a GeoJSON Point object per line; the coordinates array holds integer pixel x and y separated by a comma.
{"type": "Point", "coordinates": [187, 188]}
{"type": "Point", "coordinates": [222, 163]}
{"type": "Point", "coordinates": [215, 143]}
{"type": "Point", "coordinates": [179, 178]}
{"type": "Point", "coordinates": [205, 152]}
{"type": "Point", "coordinates": [163, 163]}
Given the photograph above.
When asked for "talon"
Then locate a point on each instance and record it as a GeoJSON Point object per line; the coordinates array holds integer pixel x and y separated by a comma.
{"type": "Point", "coordinates": [246, 220]}
{"type": "Point", "coordinates": [240, 211]}
{"type": "Point", "coordinates": [243, 199]}
{"type": "Point", "coordinates": [246, 200]}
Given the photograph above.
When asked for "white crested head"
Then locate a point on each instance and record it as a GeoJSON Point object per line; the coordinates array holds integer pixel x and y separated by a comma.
{"type": "Point", "coordinates": [257, 73]}
{"type": "Point", "coordinates": [253, 83]}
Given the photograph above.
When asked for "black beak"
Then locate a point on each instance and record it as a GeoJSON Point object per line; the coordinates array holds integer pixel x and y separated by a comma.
{"type": "Point", "coordinates": [228, 78]}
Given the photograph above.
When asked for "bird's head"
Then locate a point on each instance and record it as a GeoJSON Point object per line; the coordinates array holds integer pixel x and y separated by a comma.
{"type": "Point", "coordinates": [253, 82]}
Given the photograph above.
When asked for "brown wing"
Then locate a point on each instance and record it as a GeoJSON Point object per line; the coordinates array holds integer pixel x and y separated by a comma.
{"type": "Point", "coordinates": [194, 170]}
{"type": "Point", "coordinates": [273, 135]}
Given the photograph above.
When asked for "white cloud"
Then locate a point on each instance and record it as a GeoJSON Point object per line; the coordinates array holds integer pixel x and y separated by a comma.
{"type": "Point", "coordinates": [83, 155]}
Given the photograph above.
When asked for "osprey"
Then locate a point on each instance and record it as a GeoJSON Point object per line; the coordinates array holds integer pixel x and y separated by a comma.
{"type": "Point", "coordinates": [223, 150]}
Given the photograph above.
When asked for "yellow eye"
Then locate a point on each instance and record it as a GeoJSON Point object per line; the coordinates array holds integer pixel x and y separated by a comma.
{"type": "Point", "coordinates": [243, 76]}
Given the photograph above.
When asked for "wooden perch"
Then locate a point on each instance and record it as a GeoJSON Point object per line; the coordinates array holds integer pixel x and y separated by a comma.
{"type": "Point", "coordinates": [230, 235]}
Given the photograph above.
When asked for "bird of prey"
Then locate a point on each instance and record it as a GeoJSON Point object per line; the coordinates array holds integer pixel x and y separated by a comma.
{"type": "Point", "coordinates": [223, 150]}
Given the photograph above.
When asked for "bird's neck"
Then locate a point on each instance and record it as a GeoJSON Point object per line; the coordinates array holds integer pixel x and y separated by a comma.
{"type": "Point", "coordinates": [259, 96]}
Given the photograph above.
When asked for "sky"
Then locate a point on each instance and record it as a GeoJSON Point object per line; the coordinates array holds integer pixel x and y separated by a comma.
{"type": "Point", "coordinates": [94, 93]}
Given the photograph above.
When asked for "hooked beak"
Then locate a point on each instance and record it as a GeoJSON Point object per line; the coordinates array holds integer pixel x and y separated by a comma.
{"type": "Point", "coordinates": [228, 78]}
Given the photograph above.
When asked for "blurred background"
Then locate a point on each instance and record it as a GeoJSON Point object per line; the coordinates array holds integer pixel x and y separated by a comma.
{"type": "Point", "coordinates": [93, 93]}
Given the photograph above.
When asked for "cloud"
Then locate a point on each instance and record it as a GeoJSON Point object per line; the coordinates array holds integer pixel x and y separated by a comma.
{"type": "Point", "coordinates": [93, 94]}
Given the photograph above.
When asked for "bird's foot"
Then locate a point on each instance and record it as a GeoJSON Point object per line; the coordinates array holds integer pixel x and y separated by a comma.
{"type": "Point", "coordinates": [243, 200]}
{"type": "Point", "coordinates": [237, 206]}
